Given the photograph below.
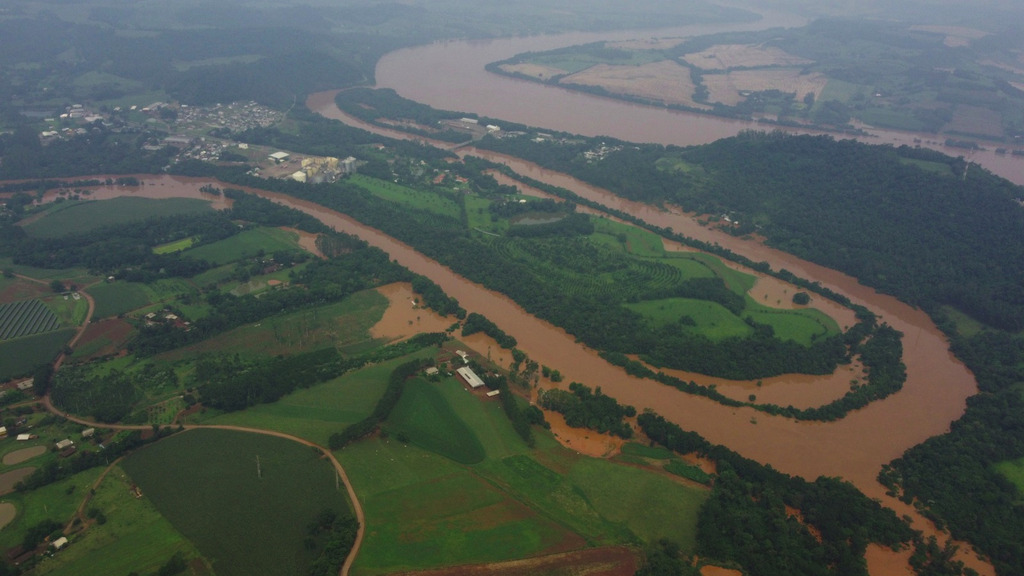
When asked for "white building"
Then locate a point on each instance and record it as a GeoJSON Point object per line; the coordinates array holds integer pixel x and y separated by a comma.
{"type": "Point", "coordinates": [470, 377]}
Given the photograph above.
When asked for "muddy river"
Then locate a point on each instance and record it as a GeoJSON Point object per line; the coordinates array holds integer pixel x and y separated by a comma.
{"type": "Point", "coordinates": [854, 448]}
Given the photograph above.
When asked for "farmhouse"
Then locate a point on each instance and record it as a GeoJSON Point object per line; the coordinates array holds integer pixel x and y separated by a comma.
{"type": "Point", "coordinates": [493, 393]}
{"type": "Point", "coordinates": [431, 371]}
{"type": "Point", "coordinates": [65, 444]}
{"type": "Point", "coordinates": [59, 543]}
{"type": "Point", "coordinates": [279, 156]}
{"type": "Point", "coordinates": [470, 377]}
{"type": "Point", "coordinates": [88, 432]}
{"type": "Point", "coordinates": [24, 437]}
{"type": "Point", "coordinates": [26, 384]}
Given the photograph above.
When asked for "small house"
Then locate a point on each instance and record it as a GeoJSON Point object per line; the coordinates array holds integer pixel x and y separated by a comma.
{"type": "Point", "coordinates": [493, 393]}
{"type": "Point", "coordinates": [59, 543]}
{"type": "Point", "coordinates": [432, 371]}
{"type": "Point", "coordinates": [24, 437]}
{"type": "Point", "coordinates": [65, 444]}
{"type": "Point", "coordinates": [88, 433]}
{"type": "Point", "coordinates": [25, 385]}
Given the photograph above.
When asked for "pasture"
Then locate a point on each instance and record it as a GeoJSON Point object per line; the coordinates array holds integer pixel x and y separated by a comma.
{"type": "Point", "coordinates": [135, 537]}
{"type": "Point", "coordinates": [246, 244]}
{"type": "Point", "coordinates": [86, 216]}
{"type": "Point", "coordinates": [711, 318]}
{"type": "Point", "coordinates": [803, 325]}
{"type": "Point", "coordinates": [244, 517]}
{"type": "Point", "coordinates": [316, 412]}
{"type": "Point", "coordinates": [57, 501]}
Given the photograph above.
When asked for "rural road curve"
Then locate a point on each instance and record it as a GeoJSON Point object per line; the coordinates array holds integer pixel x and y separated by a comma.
{"type": "Point", "coordinates": [356, 506]}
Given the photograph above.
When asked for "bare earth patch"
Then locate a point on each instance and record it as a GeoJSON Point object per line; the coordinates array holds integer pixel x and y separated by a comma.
{"type": "Point", "coordinates": [114, 330]}
{"type": "Point", "coordinates": [616, 561]}
{"type": "Point", "coordinates": [718, 571]}
{"type": "Point", "coordinates": [729, 56]}
{"type": "Point", "coordinates": [7, 513]}
{"type": "Point", "coordinates": [727, 88]}
{"type": "Point", "coordinates": [583, 440]}
{"type": "Point", "coordinates": [19, 456]}
{"type": "Point", "coordinates": [532, 70]}
{"type": "Point", "coordinates": [9, 479]}
{"type": "Point", "coordinates": [663, 81]}
{"type": "Point", "coordinates": [976, 120]}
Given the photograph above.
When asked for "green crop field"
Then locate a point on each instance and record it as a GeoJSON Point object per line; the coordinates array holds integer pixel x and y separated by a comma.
{"type": "Point", "coordinates": [80, 276]}
{"type": "Point", "coordinates": [420, 200]}
{"type": "Point", "coordinates": [245, 244]}
{"type": "Point", "coordinates": [630, 238]}
{"type": "Point", "coordinates": [244, 518]}
{"type": "Point", "coordinates": [424, 510]}
{"type": "Point", "coordinates": [22, 356]}
{"type": "Point", "coordinates": [426, 418]}
{"type": "Point", "coordinates": [344, 324]}
{"type": "Point", "coordinates": [479, 218]}
{"type": "Point", "coordinates": [316, 412]}
{"type": "Point", "coordinates": [135, 537]}
{"type": "Point", "coordinates": [90, 215]}
{"type": "Point", "coordinates": [118, 298]}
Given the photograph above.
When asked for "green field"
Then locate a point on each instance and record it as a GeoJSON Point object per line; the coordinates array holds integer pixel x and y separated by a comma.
{"type": "Point", "coordinates": [86, 216]}
{"type": "Point", "coordinates": [176, 246]}
{"type": "Point", "coordinates": [428, 421]}
{"type": "Point", "coordinates": [135, 537]}
{"type": "Point", "coordinates": [245, 518]}
{"type": "Point", "coordinates": [245, 244]}
{"type": "Point", "coordinates": [1014, 472]}
{"type": "Point", "coordinates": [22, 356]}
{"type": "Point", "coordinates": [410, 197]}
{"type": "Point", "coordinates": [424, 510]}
{"type": "Point", "coordinates": [116, 298]}
{"type": "Point", "coordinates": [804, 325]}
{"type": "Point", "coordinates": [632, 239]}
{"type": "Point", "coordinates": [711, 318]}
{"type": "Point", "coordinates": [316, 412]}
{"type": "Point", "coordinates": [344, 324]}
{"type": "Point", "coordinates": [57, 501]}
{"type": "Point", "coordinates": [80, 276]}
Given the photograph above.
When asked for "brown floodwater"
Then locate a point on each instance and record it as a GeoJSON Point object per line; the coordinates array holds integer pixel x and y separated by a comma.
{"type": "Point", "coordinates": [451, 75]}
{"type": "Point", "coordinates": [403, 317]}
{"type": "Point", "coordinates": [853, 448]}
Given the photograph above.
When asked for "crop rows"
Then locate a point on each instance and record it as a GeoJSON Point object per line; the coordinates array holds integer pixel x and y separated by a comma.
{"type": "Point", "coordinates": [25, 318]}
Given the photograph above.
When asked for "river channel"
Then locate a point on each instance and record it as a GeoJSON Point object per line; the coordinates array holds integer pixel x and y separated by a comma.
{"type": "Point", "coordinates": [450, 75]}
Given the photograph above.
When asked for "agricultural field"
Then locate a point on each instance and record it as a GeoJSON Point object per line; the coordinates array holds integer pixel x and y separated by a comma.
{"type": "Point", "coordinates": [15, 289]}
{"type": "Point", "coordinates": [732, 88]}
{"type": "Point", "coordinates": [79, 217]}
{"type": "Point", "coordinates": [133, 538]}
{"type": "Point", "coordinates": [246, 244]}
{"type": "Point", "coordinates": [323, 409]}
{"type": "Point", "coordinates": [22, 356]}
{"type": "Point", "coordinates": [243, 499]}
{"type": "Point", "coordinates": [26, 318]}
{"type": "Point", "coordinates": [344, 324]}
{"type": "Point", "coordinates": [176, 246]}
{"type": "Point", "coordinates": [57, 501]}
{"type": "Point", "coordinates": [425, 510]}
{"type": "Point", "coordinates": [729, 56]}
{"type": "Point", "coordinates": [103, 337]}
{"type": "Point", "coordinates": [116, 298]}
{"type": "Point", "coordinates": [426, 420]}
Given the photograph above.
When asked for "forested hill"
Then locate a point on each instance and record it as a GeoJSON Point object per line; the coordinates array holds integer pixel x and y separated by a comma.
{"type": "Point", "coordinates": [903, 220]}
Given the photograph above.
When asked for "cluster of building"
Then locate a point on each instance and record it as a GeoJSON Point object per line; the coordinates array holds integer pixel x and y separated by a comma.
{"type": "Point", "coordinates": [236, 116]}
{"type": "Point", "coordinates": [317, 169]}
